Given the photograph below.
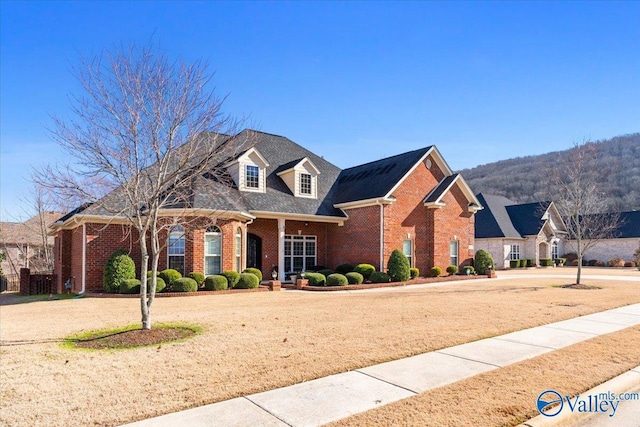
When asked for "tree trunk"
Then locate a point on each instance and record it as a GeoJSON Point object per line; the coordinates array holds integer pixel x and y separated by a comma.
{"type": "Point", "coordinates": [145, 308]}
{"type": "Point", "coordinates": [580, 257]}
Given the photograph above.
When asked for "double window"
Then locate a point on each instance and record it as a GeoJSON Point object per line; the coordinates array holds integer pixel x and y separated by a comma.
{"type": "Point", "coordinates": [515, 252]}
{"type": "Point", "coordinates": [176, 249]}
{"type": "Point", "coordinates": [212, 251]}
{"type": "Point", "coordinates": [252, 176]}
{"type": "Point", "coordinates": [299, 253]}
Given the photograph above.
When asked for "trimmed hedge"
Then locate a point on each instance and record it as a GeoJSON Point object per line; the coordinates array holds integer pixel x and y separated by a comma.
{"type": "Point", "coordinates": [452, 269]}
{"type": "Point", "coordinates": [398, 266]}
{"type": "Point", "coordinates": [560, 261]}
{"type": "Point", "coordinates": [184, 284]}
{"type": "Point", "coordinates": [436, 271]}
{"type": "Point", "coordinates": [130, 286]}
{"type": "Point", "coordinates": [354, 278]}
{"type": "Point", "coordinates": [316, 279]}
{"type": "Point", "coordinates": [415, 272]}
{"type": "Point", "coordinates": [379, 277]}
{"type": "Point", "coordinates": [170, 275]}
{"type": "Point", "coordinates": [344, 268]}
{"type": "Point", "coordinates": [160, 284]}
{"type": "Point", "coordinates": [514, 263]}
{"type": "Point", "coordinates": [248, 281]}
{"type": "Point", "coordinates": [325, 272]}
{"type": "Point", "coordinates": [119, 267]}
{"type": "Point", "coordinates": [337, 279]}
{"type": "Point", "coordinates": [232, 278]}
{"type": "Point", "coordinates": [546, 262]}
{"type": "Point", "coordinates": [255, 272]}
{"type": "Point", "coordinates": [198, 277]}
{"type": "Point", "coordinates": [365, 269]}
{"type": "Point", "coordinates": [216, 283]}
{"type": "Point", "coordinates": [531, 262]}
{"type": "Point", "coordinates": [469, 268]}
{"type": "Point", "coordinates": [483, 261]}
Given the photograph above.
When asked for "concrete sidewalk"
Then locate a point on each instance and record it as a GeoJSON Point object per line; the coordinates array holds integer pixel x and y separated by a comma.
{"type": "Point", "coordinates": [328, 399]}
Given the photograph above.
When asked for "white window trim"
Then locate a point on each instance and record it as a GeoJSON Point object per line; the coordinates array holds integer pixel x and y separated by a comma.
{"type": "Point", "coordinates": [289, 239]}
{"type": "Point", "coordinates": [176, 229]}
{"type": "Point", "coordinates": [514, 251]}
{"type": "Point", "coordinates": [410, 256]}
{"type": "Point", "coordinates": [213, 233]}
{"type": "Point", "coordinates": [457, 255]}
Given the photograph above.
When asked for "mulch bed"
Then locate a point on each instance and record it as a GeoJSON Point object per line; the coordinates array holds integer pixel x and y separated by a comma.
{"type": "Point", "coordinates": [580, 286]}
{"type": "Point", "coordinates": [98, 294]}
{"type": "Point", "coordinates": [135, 338]}
{"type": "Point", "coordinates": [418, 281]}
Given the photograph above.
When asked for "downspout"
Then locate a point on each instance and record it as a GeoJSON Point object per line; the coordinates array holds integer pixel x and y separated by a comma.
{"type": "Point", "coordinates": [378, 202]}
{"type": "Point", "coordinates": [84, 258]}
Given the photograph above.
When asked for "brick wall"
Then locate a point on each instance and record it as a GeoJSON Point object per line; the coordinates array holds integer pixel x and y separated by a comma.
{"type": "Point", "coordinates": [453, 222]}
{"type": "Point", "coordinates": [357, 241]}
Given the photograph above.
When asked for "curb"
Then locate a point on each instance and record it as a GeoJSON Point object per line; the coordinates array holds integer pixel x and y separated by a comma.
{"type": "Point", "coordinates": [622, 383]}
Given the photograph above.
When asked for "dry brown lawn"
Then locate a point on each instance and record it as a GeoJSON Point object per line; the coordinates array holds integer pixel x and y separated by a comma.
{"type": "Point", "coordinates": [260, 341]}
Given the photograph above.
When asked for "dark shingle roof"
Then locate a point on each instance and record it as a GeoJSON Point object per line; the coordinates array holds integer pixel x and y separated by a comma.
{"type": "Point", "coordinates": [630, 224]}
{"type": "Point", "coordinates": [493, 220]}
{"type": "Point", "coordinates": [441, 188]}
{"type": "Point", "coordinates": [527, 218]}
{"type": "Point", "coordinates": [375, 179]}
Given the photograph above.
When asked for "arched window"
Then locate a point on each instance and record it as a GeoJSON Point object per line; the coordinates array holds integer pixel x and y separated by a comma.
{"type": "Point", "coordinates": [212, 251]}
{"type": "Point", "coordinates": [176, 249]}
{"type": "Point", "coordinates": [239, 250]}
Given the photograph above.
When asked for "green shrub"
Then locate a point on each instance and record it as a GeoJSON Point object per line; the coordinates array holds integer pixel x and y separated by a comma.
{"type": "Point", "coordinates": [354, 278]}
{"type": "Point", "coordinates": [337, 279]}
{"type": "Point", "coordinates": [344, 268]}
{"type": "Point", "coordinates": [325, 272]}
{"type": "Point", "coordinates": [198, 277]}
{"type": "Point", "coordinates": [452, 269]}
{"type": "Point", "coordinates": [365, 269]}
{"type": "Point", "coordinates": [232, 278]}
{"type": "Point", "coordinates": [514, 263]}
{"type": "Point", "coordinates": [398, 266]}
{"type": "Point", "coordinates": [130, 286]}
{"type": "Point", "coordinates": [560, 261]}
{"type": "Point", "coordinates": [170, 275]}
{"type": "Point", "coordinates": [184, 284]}
{"type": "Point", "coordinates": [379, 277]}
{"type": "Point", "coordinates": [119, 267]}
{"type": "Point", "coordinates": [160, 284]}
{"type": "Point", "coordinates": [316, 279]}
{"type": "Point", "coordinates": [414, 272]}
{"type": "Point", "coordinates": [255, 272]}
{"type": "Point", "coordinates": [531, 262]}
{"type": "Point", "coordinates": [483, 261]}
{"type": "Point", "coordinates": [150, 273]}
{"type": "Point", "coordinates": [216, 283]}
{"type": "Point", "coordinates": [468, 268]}
{"type": "Point", "coordinates": [248, 281]}
{"type": "Point", "coordinates": [546, 262]}
{"type": "Point", "coordinates": [436, 271]}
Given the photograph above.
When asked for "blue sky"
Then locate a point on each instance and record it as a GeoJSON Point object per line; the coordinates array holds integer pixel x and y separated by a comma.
{"type": "Point", "coordinates": [352, 81]}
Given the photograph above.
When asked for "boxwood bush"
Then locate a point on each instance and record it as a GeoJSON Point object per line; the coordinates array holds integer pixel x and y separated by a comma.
{"type": "Point", "coordinates": [365, 269]}
{"type": "Point", "coordinates": [414, 272]}
{"type": "Point", "coordinates": [354, 278]}
{"type": "Point", "coordinates": [560, 261]}
{"type": "Point", "coordinates": [545, 262]}
{"type": "Point", "coordinates": [436, 271]}
{"type": "Point", "coordinates": [198, 277]}
{"type": "Point", "coordinates": [452, 269]}
{"type": "Point", "coordinates": [398, 266]}
{"type": "Point", "coordinates": [170, 275]}
{"type": "Point", "coordinates": [337, 279]}
{"type": "Point", "coordinates": [184, 284]}
{"type": "Point", "coordinates": [316, 279]}
{"type": "Point", "coordinates": [255, 272]}
{"type": "Point", "coordinates": [325, 272]}
{"type": "Point", "coordinates": [216, 283]}
{"type": "Point", "coordinates": [483, 261]}
{"type": "Point", "coordinates": [232, 278]}
{"type": "Point", "coordinates": [160, 284]}
{"type": "Point", "coordinates": [514, 263]}
{"type": "Point", "coordinates": [531, 262]}
{"type": "Point", "coordinates": [468, 268]}
{"type": "Point", "coordinates": [119, 267]}
{"type": "Point", "coordinates": [130, 286]}
{"type": "Point", "coordinates": [379, 277]}
{"type": "Point", "coordinates": [344, 268]}
{"type": "Point", "coordinates": [248, 281]}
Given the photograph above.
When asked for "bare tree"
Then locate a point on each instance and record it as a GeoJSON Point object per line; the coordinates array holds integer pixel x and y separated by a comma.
{"type": "Point", "coordinates": [575, 188]}
{"type": "Point", "coordinates": [141, 134]}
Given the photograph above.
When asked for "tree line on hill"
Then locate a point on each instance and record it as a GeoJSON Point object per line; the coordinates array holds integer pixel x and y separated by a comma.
{"type": "Point", "coordinates": [525, 179]}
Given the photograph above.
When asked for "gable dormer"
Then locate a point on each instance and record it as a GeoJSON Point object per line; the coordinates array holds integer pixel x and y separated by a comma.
{"type": "Point", "coordinates": [301, 177]}
{"type": "Point", "coordinates": [249, 171]}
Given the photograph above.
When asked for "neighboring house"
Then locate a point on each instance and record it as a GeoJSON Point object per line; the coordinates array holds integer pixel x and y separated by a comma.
{"type": "Point", "coordinates": [622, 245]}
{"type": "Point", "coordinates": [289, 210]}
{"type": "Point", "coordinates": [26, 244]}
{"type": "Point", "coordinates": [509, 231]}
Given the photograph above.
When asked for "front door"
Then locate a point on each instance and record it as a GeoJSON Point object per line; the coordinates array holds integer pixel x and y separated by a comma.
{"type": "Point", "coordinates": [254, 251]}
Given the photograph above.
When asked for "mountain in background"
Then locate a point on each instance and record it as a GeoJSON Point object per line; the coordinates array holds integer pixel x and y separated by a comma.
{"type": "Point", "coordinates": [523, 179]}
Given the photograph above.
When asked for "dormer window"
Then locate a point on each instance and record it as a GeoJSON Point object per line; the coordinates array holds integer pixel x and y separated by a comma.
{"type": "Point", "coordinates": [305, 183]}
{"type": "Point", "coordinates": [252, 176]}
{"type": "Point", "coordinates": [301, 176]}
{"type": "Point", "coordinates": [249, 171]}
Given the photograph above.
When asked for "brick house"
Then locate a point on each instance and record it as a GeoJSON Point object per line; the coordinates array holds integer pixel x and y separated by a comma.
{"type": "Point", "coordinates": [510, 231]}
{"type": "Point", "coordinates": [287, 209]}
